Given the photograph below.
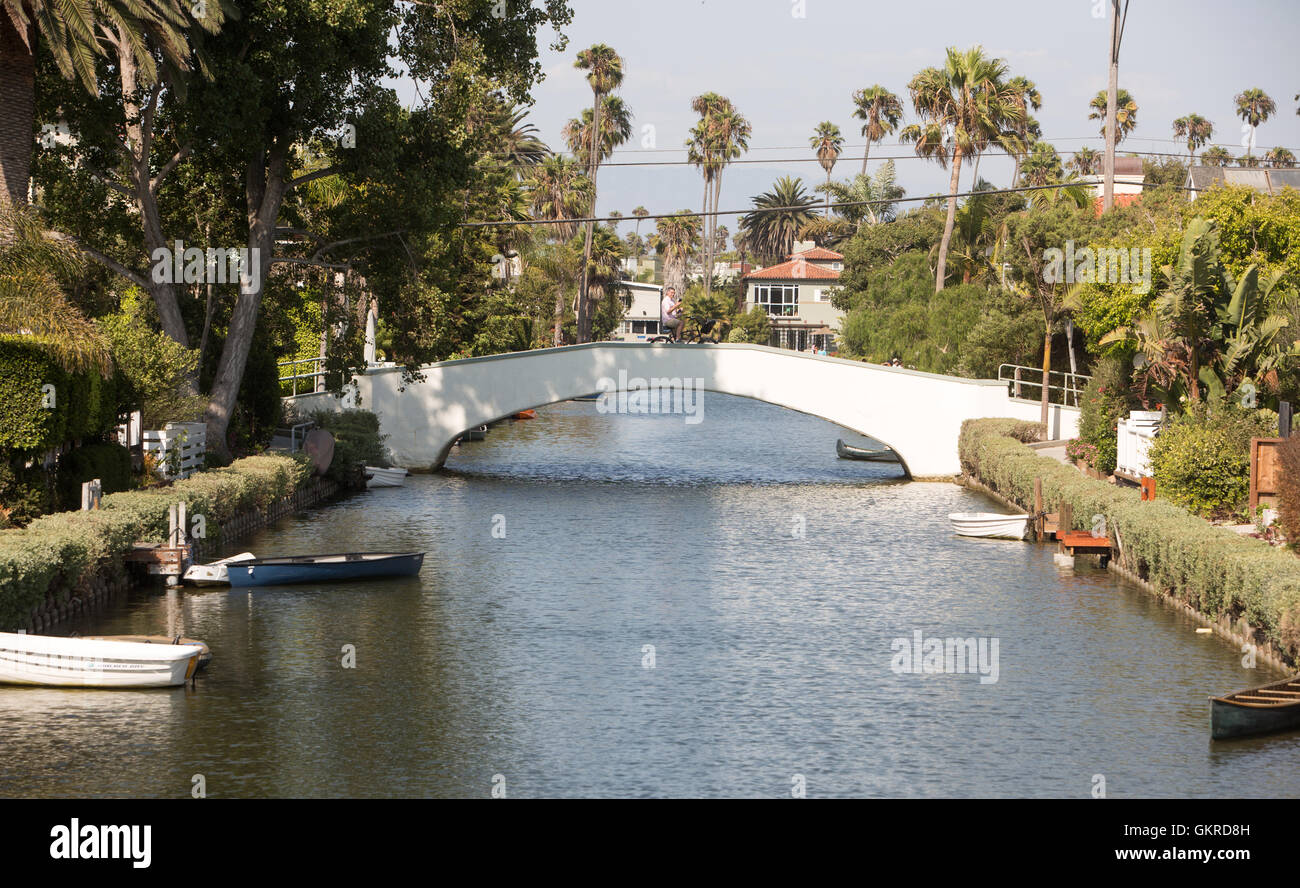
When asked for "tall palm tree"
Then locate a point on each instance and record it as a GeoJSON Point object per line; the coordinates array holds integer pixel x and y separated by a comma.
{"type": "Point", "coordinates": [559, 190]}
{"type": "Point", "coordinates": [604, 69]}
{"type": "Point", "coordinates": [1254, 107]}
{"type": "Point", "coordinates": [1126, 113]}
{"type": "Point", "coordinates": [967, 103]}
{"type": "Point", "coordinates": [679, 237]}
{"type": "Point", "coordinates": [522, 145]}
{"type": "Point", "coordinates": [881, 112]}
{"type": "Point", "coordinates": [1027, 98]}
{"type": "Point", "coordinates": [720, 136]}
{"type": "Point", "coordinates": [77, 33]}
{"type": "Point", "coordinates": [615, 129]}
{"type": "Point", "coordinates": [829, 144]}
{"type": "Point", "coordinates": [1216, 155]}
{"type": "Point", "coordinates": [640, 213]}
{"type": "Point", "coordinates": [771, 229]}
{"type": "Point", "coordinates": [1086, 161]}
{"type": "Point", "coordinates": [1196, 130]}
{"type": "Point", "coordinates": [869, 198]}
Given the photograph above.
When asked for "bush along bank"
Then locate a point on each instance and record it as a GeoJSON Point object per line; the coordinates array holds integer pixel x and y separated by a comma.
{"type": "Point", "coordinates": [1225, 577]}
{"type": "Point", "coordinates": [74, 555]}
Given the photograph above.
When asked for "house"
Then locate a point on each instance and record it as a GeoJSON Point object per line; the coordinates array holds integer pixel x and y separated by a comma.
{"type": "Point", "coordinates": [797, 296]}
{"type": "Point", "coordinates": [1129, 177]}
{"type": "Point", "coordinates": [1268, 181]}
{"type": "Point", "coordinates": [641, 320]}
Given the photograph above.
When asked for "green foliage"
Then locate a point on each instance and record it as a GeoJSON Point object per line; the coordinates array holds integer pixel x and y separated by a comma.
{"type": "Point", "coordinates": [1201, 461]}
{"type": "Point", "coordinates": [110, 463]}
{"type": "Point", "coordinates": [156, 367]}
{"type": "Point", "coordinates": [60, 551]}
{"type": "Point", "coordinates": [357, 441]}
{"type": "Point", "coordinates": [753, 326]}
{"type": "Point", "coordinates": [85, 405]}
{"type": "Point", "coordinates": [1288, 497]}
{"type": "Point", "coordinates": [1105, 401]}
{"type": "Point", "coordinates": [1254, 228]}
{"type": "Point", "coordinates": [24, 494]}
{"type": "Point", "coordinates": [1210, 568]}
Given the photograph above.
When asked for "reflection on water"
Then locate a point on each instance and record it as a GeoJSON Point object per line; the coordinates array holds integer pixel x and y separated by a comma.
{"type": "Point", "coordinates": [767, 578]}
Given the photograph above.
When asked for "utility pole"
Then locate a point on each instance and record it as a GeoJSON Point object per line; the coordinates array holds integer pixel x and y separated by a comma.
{"type": "Point", "coordinates": [1112, 101]}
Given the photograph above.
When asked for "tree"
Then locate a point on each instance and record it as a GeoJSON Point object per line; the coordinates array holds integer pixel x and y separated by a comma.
{"type": "Point", "coordinates": [604, 69]}
{"type": "Point", "coordinates": [1216, 156]}
{"type": "Point", "coordinates": [524, 148]}
{"type": "Point", "coordinates": [828, 143]}
{"type": "Point", "coordinates": [1196, 130]}
{"type": "Point", "coordinates": [615, 129]}
{"type": "Point", "coordinates": [1280, 158]}
{"type": "Point", "coordinates": [771, 229]}
{"type": "Point", "coordinates": [868, 198]}
{"type": "Point", "coordinates": [720, 136]}
{"type": "Point", "coordinates": [77, 35]}
{"type": "Point", "coordinates": [1086, 161]}
{"type": "Point", "coordinates": [965, 104]}
{"type": "Point", "coordinates": [1126, 111]}
{"type": "Point", "coordinates": [1253, 107]}
{"type": "Point", "coordinates": [560, 191]}
{"type": "Point", "coordinates": [1027, 97]}
{"type": "Point", "coordinates": [679, 237]}
{"type": "Point", "coordinates": [881, 112]}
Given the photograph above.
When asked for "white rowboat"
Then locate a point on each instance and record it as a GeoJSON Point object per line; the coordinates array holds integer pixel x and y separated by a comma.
{"type": "Point", "coordinates": [989, 524]}
{"type": "Point", "coordinates": [214, 574]}
{"type": "Point", "coordinates": [385, 477]}
{"type": "Point", "coordinates": [54, 661]}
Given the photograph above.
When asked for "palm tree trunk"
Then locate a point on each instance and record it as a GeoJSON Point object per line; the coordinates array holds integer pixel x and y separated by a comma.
{"type": "Point", "coordinates": [18, 98]}
{"type": "Point", "coordinates": [975, 176]}
{"type": "Point", "coordinates": [713, 238]}
{"type": "Point", "coordinates": [828, 194]}
{"type": "Point", "coordinates": [952, 218]}
{"type": "Point", "coordinates": [584, 331]}
{"type": "Point", "coordinates": [706, 223]}
{"type": "Point", "coordinates": [558, 339]}
{"type": "Point", "coordinates": [866, 152]}
{"type": "Point", "coordinates": [1047, 375]}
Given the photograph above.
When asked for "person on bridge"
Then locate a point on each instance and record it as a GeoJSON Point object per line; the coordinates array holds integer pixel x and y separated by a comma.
{"type": "Point", "coordinates": [670, 314]}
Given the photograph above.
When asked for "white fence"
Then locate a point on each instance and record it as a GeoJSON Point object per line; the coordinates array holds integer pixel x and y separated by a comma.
{"type": "Point", "coordinates": [179, 448]}
{"type": "Point", "coordinates": [1134, 438]}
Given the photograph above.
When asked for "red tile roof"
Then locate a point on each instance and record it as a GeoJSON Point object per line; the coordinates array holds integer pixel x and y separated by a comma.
{"type": "Point", "coordinates": [818, 253]}
{"type": "Point", "coordinates": [794, 270]}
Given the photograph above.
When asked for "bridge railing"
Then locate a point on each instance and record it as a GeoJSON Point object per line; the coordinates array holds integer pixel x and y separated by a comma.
{"type": "Point", "coordinates": [290, 374]}
{"type": "Point", "coordinates": [1027, 382]}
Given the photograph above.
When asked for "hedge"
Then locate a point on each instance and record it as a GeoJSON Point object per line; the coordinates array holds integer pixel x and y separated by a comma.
{"type": "Point", "coordinates": [70, 545]}
{"type": "Point", "coordinates": [1214, 570]}
{"type": "Point", "coordinates": [110, 463]}
{"type": "Point", "coordinates": [85, 404]}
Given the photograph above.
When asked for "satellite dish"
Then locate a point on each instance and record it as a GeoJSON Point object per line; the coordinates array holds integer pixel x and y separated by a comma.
{"type": "Point", "coordinates": [319, 445]}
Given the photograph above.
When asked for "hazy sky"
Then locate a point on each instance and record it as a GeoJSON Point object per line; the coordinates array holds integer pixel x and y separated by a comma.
{"type": "Point", "coordinates": [786, 74]}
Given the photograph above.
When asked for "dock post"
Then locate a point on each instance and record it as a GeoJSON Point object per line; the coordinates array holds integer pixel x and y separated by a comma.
{"type": "Point", "coordinates": [1039, 520]}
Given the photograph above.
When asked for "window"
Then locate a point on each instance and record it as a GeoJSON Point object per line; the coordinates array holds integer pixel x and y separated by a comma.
{"type": "Point", "coordinates": [644, 328]}
{"type": "Point", "coordinates": [780, 300]}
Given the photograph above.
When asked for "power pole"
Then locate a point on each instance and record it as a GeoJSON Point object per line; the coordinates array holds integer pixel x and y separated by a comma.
{"type": "Point", "coordinates": [1112, 101]}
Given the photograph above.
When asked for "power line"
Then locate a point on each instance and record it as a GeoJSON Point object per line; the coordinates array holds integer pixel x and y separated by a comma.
{"type": "Point", "coordinates": [807, 207]}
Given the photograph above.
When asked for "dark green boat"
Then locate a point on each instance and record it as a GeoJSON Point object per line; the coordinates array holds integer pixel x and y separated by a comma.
{"type": "Point", "coordinates": [848, 451]}
{"type": "Point", "coordinates": [1262, 710]}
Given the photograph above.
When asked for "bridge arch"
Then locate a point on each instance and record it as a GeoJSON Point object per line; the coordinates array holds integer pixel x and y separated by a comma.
{"type": "Point", "coordinates": [918, 415]}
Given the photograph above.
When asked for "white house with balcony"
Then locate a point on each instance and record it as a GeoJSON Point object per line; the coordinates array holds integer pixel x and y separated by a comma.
{"type": "Point", "coordinates": [797, 296]}
{"type": "Point", "coordinates": [641, 320]}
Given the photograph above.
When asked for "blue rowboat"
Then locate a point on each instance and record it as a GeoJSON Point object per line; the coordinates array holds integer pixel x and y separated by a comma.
{"type": "Point", "coordinates": [1273, 707]}
{"type": "Point", "coordinates": [324, 568]}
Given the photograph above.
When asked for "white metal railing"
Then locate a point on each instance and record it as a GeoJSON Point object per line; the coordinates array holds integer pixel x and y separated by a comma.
{"type": "Point", "coordinates": [317, 374]}
{"type": "Point", "coordinates": [299, 430]}
{"type": "Point", "coordinates": [1134, 437]}
{"type": "Point", "coordinates": [1020, 378]}
{"type": "Point", "coordinates": [179, 448]}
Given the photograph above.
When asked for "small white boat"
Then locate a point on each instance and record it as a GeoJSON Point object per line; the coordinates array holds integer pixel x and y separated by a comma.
{"type": "Point", "coordinates": [214, 574]}
{"type": "Point", "coordinates": [53, 661]}
{"type": "Point", "coordinates": [385, 477]}
{"type": "Point", "coordinates": [989, 524]}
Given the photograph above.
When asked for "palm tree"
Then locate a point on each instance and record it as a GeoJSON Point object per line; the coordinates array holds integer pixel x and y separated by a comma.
{"type": "Point", "coordinates": [881, 112]}
{"type": "Point", "coordinates": [1126, 113]}
{"type": "Point", "coordinates": [1042, 166]}
{"type": "Point", "coordinates": [77, 33]}
{"type": "Point", "coordinates": [559, 190]}
{"type": "Point", "coordinates": [522, 146]}
{"type": "Point", "coordinates": [640, 213]}
{"type": "Point", "coordinates": [829, 144]}
{"type": "Point", "coordinates": [615, 129]}
{"type": "Point", "coordinates": [1254, 107]}
{"type": "Point", "coordinates": [1196, 130]}
{"type": "Point", "coordinates": [1028, 98]}
{"type": "Point", "coordinates": [679, 237]}
{"type": "Point", "coordinates": [561, 264]}
{"type": "Point", "coordinates": [604, 69]}
{"type": "Point", "coordinates": [720, 136]}
{"type": "Point", "coordinates": [869, 198]}
{"type": "Point", "coordinates": [1086, 161]}
{"type": "Point", "coordinates": [1280, 158]}
{"type": "Point", "coordinates": [1216, 156]}
{"type": "Point", "coordinates": [965, 104]}
{"type": "Point", "coordinates": [771, 229]}
{"type": "Point", "coordinates": [36, 271]}
{"type": "Point", "coordinates": [614, 218]}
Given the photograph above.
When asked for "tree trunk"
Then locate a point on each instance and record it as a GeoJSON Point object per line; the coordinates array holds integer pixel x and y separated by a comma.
{"type": "Point", "coordinates": [265, 188]}
{"type": "Point", "coordinates": [865, 154]}
{"type": "Point", "coordinates": [1112, 87]}
{"type": "Point", "coordinates": [584, 322]}
{"type": "Point", "coordinates": [18, 98]}
{"type": "Point", "coordinates": [952, 218]}
{"type": "Point", "coordinates": [1047, 375]}
{"type": "Point", "coordinates": [559, 318]}
{"type": "Point", "coordinates": [706, 225]}
{"type": "Point", "coordinates": [975, 175]}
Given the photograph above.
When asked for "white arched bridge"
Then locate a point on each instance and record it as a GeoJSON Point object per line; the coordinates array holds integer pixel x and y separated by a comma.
{"type": "Point", "coordinates": [918, 415]}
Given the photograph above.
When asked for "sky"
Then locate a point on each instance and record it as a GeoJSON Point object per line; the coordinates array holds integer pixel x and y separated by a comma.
{"type": "Point", "coordinates": [789, 64]}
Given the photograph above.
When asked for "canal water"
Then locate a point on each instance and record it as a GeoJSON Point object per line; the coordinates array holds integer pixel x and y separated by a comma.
{"type": "Point", "coordinates": [619, 605]}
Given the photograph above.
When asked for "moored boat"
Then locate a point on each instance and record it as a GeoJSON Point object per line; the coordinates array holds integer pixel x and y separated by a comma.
{"type": "Point", "coordinates": [848, 451]}
{"type": "Point", "coordinates": [990, 525]}
{"type": "Point", "coordinates": [324, 568]}
{"type": "Point", "coordinates": [1261, 710]}
{"type": "Point", "coordinates": [526, 414]}
{"type": "Point", "coordinates": [381, 476]}
{"type": "Point", "coordinates": [214, 574]}
{"type": "Point", "coordinates": [205, 654]}
{"type": "Point", "coordinates": [54, 661]}
{"type": "Point", "coordinates": [477, 434]}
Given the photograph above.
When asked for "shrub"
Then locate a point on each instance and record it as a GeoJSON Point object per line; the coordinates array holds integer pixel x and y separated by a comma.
{"type": "Point", "coordinates": [1288, 498]}
{"type": "Point", "coordinates": [1202, 460]}
{"type": "Point", "coordinates": [357, 441]}
{"type": "Point", "coordinates": [1105, 401]}
{"type": "Point", "coordinates": [84, 405]}
{"type": "Point", "coordinates": [24, 494]}
{"type": "Point", "coordinates": [111, 463]}
{"type": "Point", "coordinates": [1211, 568]}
